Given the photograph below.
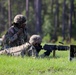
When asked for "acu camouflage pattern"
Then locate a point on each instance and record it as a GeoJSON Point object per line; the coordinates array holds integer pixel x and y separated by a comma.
{"type": "Point", "coordinates": [35, 39]}
{"type": "Point", "coordinates": [25, 49]}
{"type": "Point", "coordinates": [11, 39]}
{"type": "Point", "coordinates": [19, 19]}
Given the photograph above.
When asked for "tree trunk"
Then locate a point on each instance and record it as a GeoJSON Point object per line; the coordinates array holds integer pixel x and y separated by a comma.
{"type": "Point", "coordinates": [63, 20]}
{"type": "Point", "coordinates": [52, 2]}
{"type": "Point", "coordinates": [27, 9]}
{"type": "Point", "coordinates": [70, 19]}
{"type": "Point", "coordinates": [9, 12]}
{"type": "Point", "coordinates": [56, 21]}
{"type": "Point", "coordinates": [38, 15]}
{"type": "Point", "coordinates": [74, 12]}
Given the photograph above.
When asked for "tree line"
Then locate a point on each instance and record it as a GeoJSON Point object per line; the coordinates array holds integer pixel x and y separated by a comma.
{"type": "Point", "coordinates": [45, 17]}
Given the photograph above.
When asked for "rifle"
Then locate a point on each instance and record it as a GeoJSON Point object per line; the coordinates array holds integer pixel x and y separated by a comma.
{"type": "Point", "coordinates": [71, 48]}
{"type": "Point", "coordinates": [55, 47]}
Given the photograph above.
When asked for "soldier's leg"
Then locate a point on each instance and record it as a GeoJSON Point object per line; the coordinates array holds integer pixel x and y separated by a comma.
{"type": "Point", "coordinates": [23, 53]}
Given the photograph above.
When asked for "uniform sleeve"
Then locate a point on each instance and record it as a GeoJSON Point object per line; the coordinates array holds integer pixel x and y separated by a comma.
{"type": "Point", "coordinates": [12, 35]}
{"type": "Point", "coordinates": [13, 38]}
{"type": "Point", "coordinates": [26, 35]}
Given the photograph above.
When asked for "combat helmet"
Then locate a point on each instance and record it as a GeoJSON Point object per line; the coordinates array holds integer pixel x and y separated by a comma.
{"type": "Point", "coordinates": [35, 39]}
{"type": "Point", "coordinates": [19, 19]}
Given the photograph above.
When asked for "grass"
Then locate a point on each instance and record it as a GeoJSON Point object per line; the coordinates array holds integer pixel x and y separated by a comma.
{"type": "Point", "coordinates": [60, 65]}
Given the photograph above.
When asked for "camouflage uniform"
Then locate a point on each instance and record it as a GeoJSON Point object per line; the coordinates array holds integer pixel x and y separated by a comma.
{"type": "Point", "coordinates": [31, 50]}
{"type": "Point", "coordinates": [33, 47]}
{"type": "Point", "coordinates": [11, 38]}
{"type": "Point", "coordinates": [24, 49]}
{"type": "Point", "coordinates": [36, 40]}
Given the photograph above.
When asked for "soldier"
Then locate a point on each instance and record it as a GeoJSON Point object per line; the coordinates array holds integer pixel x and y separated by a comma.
{"type": "Point", "coordinates": [34, 47]}
{"type": "Point", "coordinates": [17, 33]}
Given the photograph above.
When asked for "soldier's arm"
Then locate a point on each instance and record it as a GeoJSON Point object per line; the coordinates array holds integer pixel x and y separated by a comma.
{"type": "Point", "coordinates": [12, 35]}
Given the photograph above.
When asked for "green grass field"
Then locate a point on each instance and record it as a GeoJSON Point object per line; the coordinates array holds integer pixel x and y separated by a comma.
{"type": "Point", "coordinates": [60, 65]}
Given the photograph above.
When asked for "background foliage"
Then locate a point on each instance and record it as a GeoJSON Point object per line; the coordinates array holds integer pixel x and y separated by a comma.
{"type": "Point", "coordinates": [51, 17]}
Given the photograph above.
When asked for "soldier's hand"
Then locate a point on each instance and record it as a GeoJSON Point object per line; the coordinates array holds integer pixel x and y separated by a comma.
{"type": "Point", "coordinates": [20, 31]}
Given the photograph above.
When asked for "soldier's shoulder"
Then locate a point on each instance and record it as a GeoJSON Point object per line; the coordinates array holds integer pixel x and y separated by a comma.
{"type": "Point", "coordinates": [27, 44]}
{"type": "Point", "coordinates": [11, 29]}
